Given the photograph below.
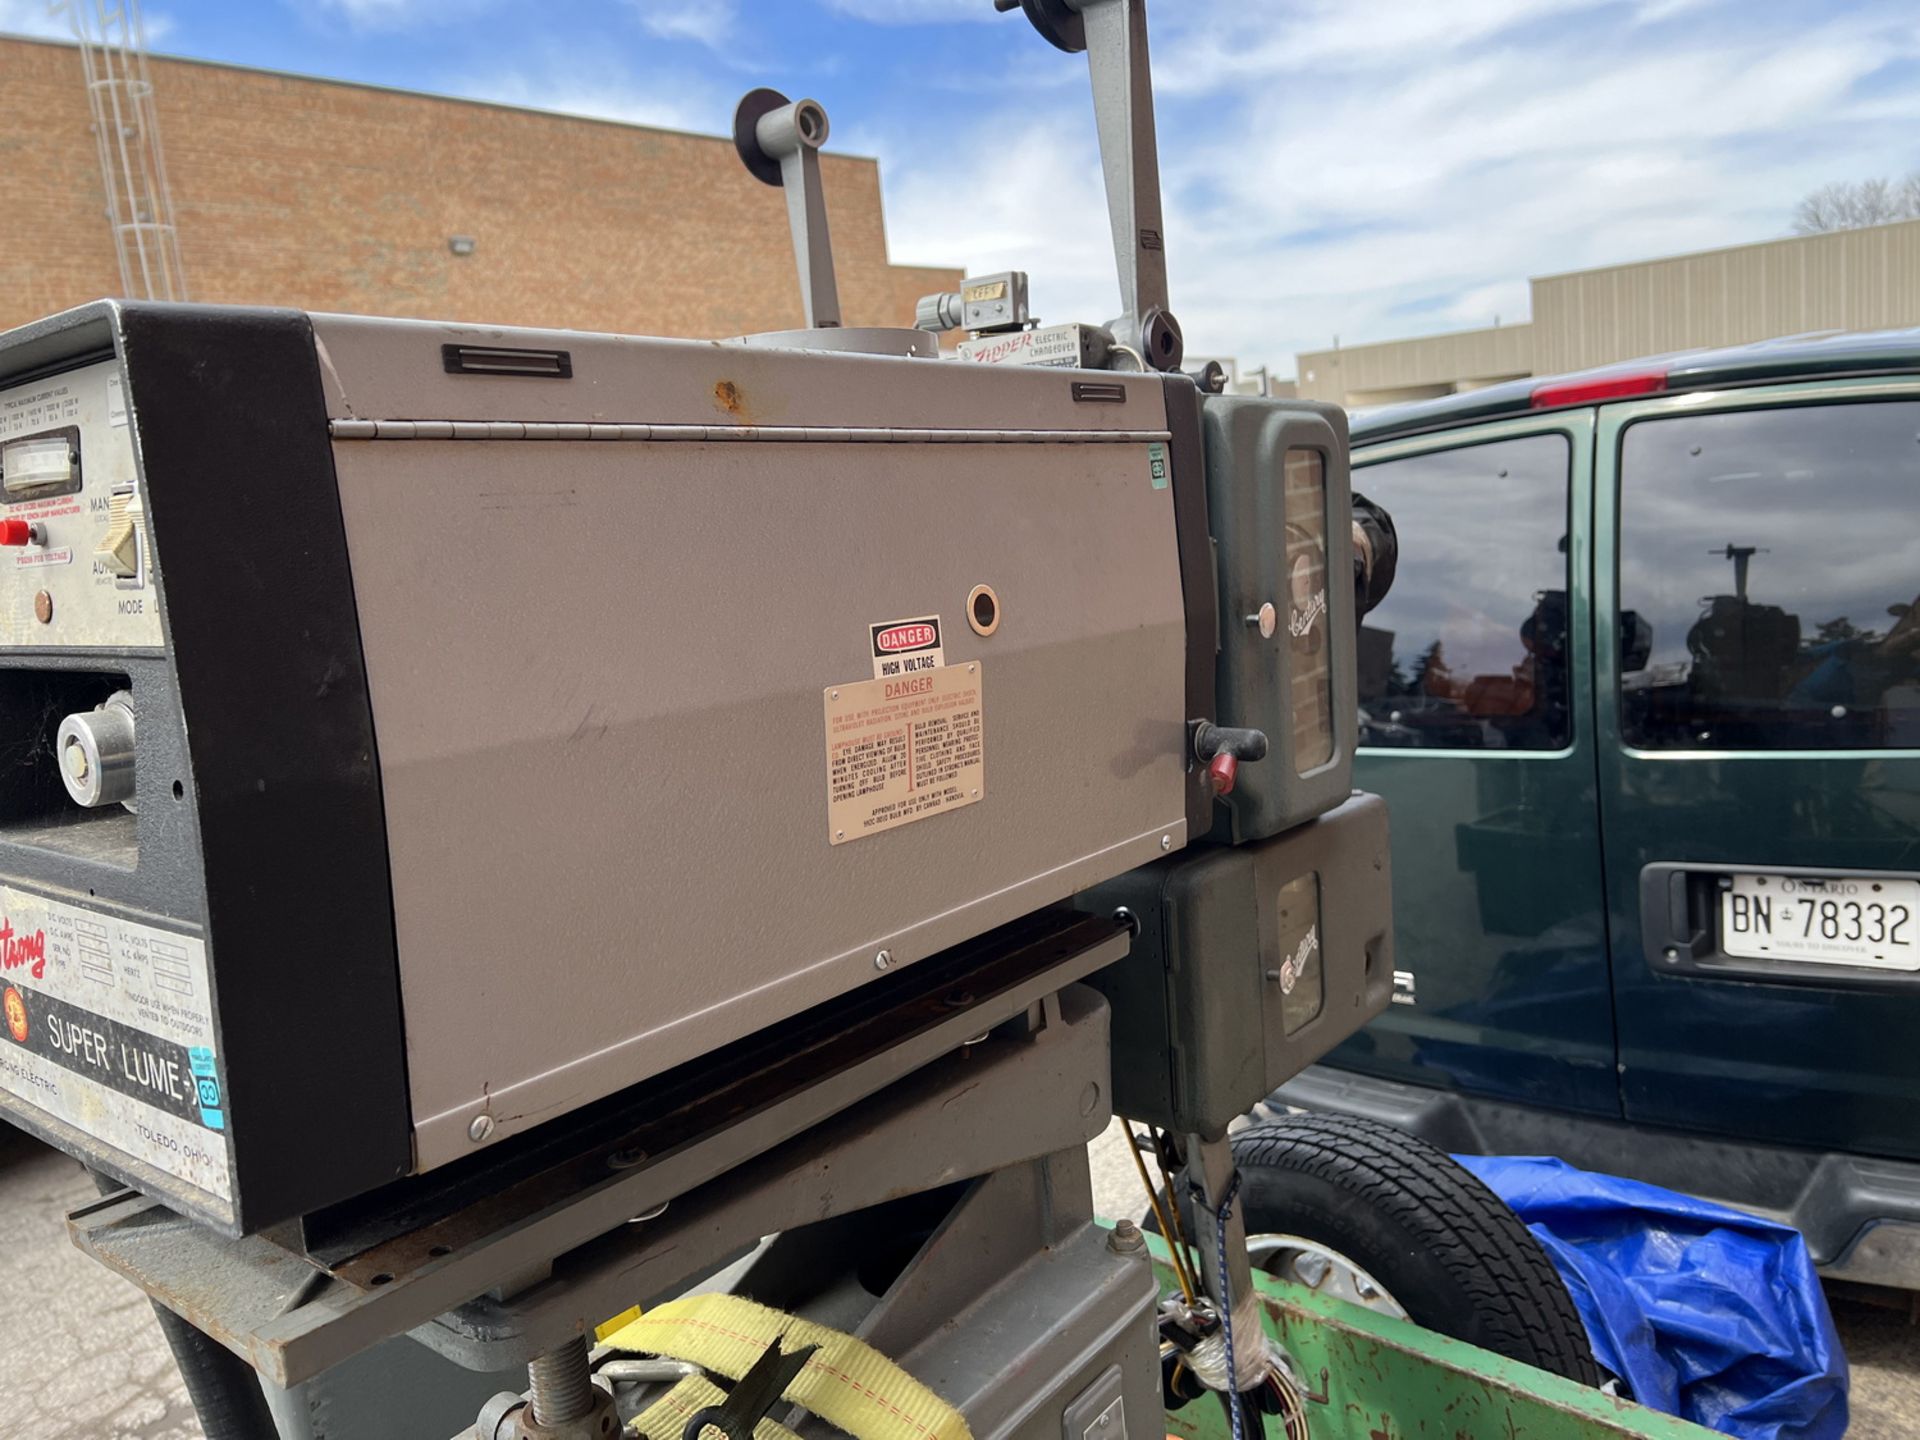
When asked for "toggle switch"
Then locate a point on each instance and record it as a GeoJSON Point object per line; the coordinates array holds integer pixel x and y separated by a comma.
{"type": "Point", "coordinates": [119, 549]}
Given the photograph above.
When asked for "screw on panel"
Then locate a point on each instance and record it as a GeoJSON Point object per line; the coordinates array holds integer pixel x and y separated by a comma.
{"type": "Point", "coordinates": [481, 1128]}
{"type": "Point", "coordinates": [1166, 842]}
{"type": "Point", "coordinates": [836, 694]}
{"type": "Point", "coordinates": [1670, 953]}
{"type": "Point", "coordinates": [1126, 1238]}
{"type": "Point", "coordinates": [839, 834]}
{"type": "Point", "coordinates": [883, 960]}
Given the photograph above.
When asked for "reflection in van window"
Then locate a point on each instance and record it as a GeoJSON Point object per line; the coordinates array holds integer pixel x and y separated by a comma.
{"type": "Point", "coordinates": [1469, 649]}
{"type": "Point", "coordinates": [1770, 579]}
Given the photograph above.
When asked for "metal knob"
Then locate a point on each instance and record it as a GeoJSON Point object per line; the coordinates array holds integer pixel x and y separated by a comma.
{"type": "Point", "coordinates": [95, 751]}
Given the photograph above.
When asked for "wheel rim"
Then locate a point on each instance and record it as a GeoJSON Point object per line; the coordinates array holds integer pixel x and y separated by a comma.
{"type": "Point", "coordinates": [1323, 1270]}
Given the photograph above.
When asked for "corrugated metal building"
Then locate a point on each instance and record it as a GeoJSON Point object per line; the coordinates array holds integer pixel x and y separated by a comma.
{"type": "Point", "coordinates": [1865, 279]}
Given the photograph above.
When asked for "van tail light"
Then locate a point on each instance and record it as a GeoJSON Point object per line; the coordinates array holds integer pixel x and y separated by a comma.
{"type": "Point", "coordinates": [1556, 393]}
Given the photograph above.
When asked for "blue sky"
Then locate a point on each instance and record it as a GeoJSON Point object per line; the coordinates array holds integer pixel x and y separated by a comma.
{"type": "Point", "coordinates": [1363, 168]}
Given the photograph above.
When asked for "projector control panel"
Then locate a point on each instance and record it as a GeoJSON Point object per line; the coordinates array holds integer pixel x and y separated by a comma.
{"type": "Point", "coordinates": [75, 564]}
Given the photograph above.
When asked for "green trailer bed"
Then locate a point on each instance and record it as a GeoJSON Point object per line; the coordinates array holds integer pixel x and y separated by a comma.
{"type": "Point", "coordinates": [1371, 1377]}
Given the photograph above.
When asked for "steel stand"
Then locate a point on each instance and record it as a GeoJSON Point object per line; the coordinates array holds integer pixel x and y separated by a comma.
{"type": "Point", "coordinates": [931, 1195]}
{"type": "Point", "coordinates": [562, 1402]}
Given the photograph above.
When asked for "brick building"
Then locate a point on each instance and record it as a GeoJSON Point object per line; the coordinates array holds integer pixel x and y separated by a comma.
{"type": "Point", "coordinates": [328, 196]}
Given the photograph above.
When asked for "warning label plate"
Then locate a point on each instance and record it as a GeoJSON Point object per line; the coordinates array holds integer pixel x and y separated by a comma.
{"type": "Point", "coordinates": [902, 749]}
{"type": "Point", "coordinates": [109, 1027]}
{"type": "Point", "coordinates": [906, 647]}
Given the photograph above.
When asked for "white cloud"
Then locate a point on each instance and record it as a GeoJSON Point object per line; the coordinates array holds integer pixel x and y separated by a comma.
{"type": "Point", "coordinates": [378, 14]}
{"type": "Point", "coordinates": [396, 15]}
{"type": "Point", "coordinates": [915, 12]}
{"type": "Point", "coordinates": [1388, 169]}
{"type": "Point", "coordinates": [1503, 302]}
{"type": "Point", "coordinates": [1211, 43]}
{"type": "Point", "coordinates": [707, 22]}
{"type": "Point", "coordinates": [604, 89]}
{"type": "Point", "coordinates": [51, 19]}
{"type": "Point", "coordinates": [1033, 201]}
{"type": "Point", "coordinates": [33, 17]}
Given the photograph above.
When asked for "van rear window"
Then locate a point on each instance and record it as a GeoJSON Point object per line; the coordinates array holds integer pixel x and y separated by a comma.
{"type": "Point", "coordinates": [1770, 579]}
{"type": "Point", "coordinates": [1469, 649]}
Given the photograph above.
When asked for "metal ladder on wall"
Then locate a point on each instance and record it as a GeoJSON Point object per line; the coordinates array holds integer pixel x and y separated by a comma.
{"type": "Point", "coordinates": [126, 130]}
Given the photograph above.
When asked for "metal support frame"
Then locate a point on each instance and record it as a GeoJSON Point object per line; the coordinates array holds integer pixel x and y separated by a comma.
{"type": "Point", "coordinates": [1114, 35]}
{"type": "Point", "coordinates": [1130, 159]}
{"type": "Point", "coordinates": [1028, 1090]}
{"type": "Point", "coordinates": [1036, 1083]}
{"type": "Point", "coordinates": [1014, 1300]}
{"type": "Point", "coordinates": [1208, 1174]}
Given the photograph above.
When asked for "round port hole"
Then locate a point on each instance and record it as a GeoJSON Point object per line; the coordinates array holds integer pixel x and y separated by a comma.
{"type": "Point", "coordinates": [983, 610]}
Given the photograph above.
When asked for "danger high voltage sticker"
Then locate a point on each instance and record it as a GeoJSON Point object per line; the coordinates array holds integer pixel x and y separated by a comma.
{"type": "Point", "coordinates": [899, 750]}
{"type": "Point", "coordinates": [906, 647]}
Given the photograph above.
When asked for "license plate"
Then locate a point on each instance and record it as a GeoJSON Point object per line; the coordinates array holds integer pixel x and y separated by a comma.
{"type": "Point", "coordinates": [1832, 921]}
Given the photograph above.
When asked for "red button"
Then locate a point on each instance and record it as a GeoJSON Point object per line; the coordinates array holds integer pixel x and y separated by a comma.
{"type": "Point", "coordinates": [15, 532]}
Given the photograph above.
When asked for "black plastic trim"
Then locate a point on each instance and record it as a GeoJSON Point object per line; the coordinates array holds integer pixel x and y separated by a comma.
{"type": "Point", "coordinates": [70, 340]}
{"type": "Point", "coordinates": [257, 595]}
{"type": "Point", "coordinates": [1198, 584]}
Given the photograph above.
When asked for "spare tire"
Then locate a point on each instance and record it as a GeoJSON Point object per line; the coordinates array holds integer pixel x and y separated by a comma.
{"type": "Point", "coordinates": [1402, 1228]}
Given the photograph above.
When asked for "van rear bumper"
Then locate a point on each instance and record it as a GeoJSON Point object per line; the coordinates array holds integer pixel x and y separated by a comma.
{"type": "Point", "coordinates": [1860, 1214]}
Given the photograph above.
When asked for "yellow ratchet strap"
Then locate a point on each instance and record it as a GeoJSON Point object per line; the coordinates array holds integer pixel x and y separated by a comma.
{"type": "Point", "coordinates": [847, 1383]}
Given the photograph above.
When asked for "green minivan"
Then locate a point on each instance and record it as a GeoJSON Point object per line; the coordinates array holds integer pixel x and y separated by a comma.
{"type": "Point", "coordinates": [1645, 706]}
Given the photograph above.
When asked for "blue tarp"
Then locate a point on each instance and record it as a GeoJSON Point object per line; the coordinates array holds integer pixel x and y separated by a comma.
{"type": "Point", "coordinates": [1703, 1312]}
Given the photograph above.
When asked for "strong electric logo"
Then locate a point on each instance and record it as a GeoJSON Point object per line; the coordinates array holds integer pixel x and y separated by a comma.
{"type": "Point", "coordinates": [18, 950]}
